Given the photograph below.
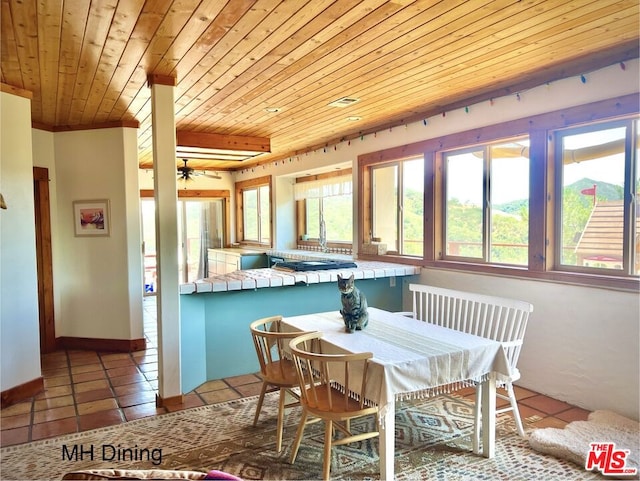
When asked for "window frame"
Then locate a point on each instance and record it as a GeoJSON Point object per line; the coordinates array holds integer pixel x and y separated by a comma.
{"type": "Point", "coordinates": [301, 214]}
{"type": "Point", "coordinates": [542, 194]}
{"type": "Point", "coordinates": [487, 181]}
{"type": "Point", "coordinates": [240, 188]}
{"type": "Point", "coordinates": [630, 170]}
{"type": "Point", "coordinates": [400, 199]}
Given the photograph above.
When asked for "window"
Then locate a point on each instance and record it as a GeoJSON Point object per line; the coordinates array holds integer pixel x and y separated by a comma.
{"type": "Point", "coordinates": [486, 207]}
{"type": "Point", "coordinates": [551, 197]}
{"type": "Point", "coordinates": [397, 206]}
{"type": "Point", "coordinates": [253, 204]}
{"type": "Point", "coordinates": [325, 198]}
{"type": "Point", "coordinates": [596, 220]}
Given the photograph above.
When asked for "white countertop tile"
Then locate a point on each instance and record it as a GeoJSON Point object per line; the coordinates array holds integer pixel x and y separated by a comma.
{"type": "Point", "coordinates": [267, 277]}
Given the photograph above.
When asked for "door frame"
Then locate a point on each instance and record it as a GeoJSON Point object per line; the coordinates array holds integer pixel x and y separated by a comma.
{"type": "Point", "coordinates": [44, 259]}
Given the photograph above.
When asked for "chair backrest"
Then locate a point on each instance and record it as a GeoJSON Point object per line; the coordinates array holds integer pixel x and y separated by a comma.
{"type": "Point", "coordinates": [501, 319]}
{"type": "Point", "coordinates": [270, 342]}
{"type": "Point", "coordinates": [325, 374]}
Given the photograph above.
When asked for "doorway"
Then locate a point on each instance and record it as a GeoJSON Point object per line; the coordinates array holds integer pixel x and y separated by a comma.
{"type": "Point", "coordinates": [201, 226]}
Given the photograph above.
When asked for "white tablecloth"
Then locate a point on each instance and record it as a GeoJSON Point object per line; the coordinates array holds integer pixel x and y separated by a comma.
{"type": "Point", "coordinates": [412, 359]}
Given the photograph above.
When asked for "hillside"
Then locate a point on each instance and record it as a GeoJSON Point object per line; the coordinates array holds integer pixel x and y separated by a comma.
{"type": "Point", "coordinates": [604, 191]}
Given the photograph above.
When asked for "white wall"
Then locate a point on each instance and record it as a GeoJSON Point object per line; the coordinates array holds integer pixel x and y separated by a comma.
{"type": "Point", "coordinates": [19, 361]}
{"type": "Point", "coordinates": [284, 227]}
{"type": "Point", "coordinates": [99, 278]}
{"type": "Point", "coordinates": [581, 344]}
{"type": "Point", "coordinates": [135, 270]}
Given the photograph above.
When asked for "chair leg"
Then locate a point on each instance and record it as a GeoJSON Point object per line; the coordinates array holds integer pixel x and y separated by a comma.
{"type": "Point", "coordinates": [260, 400]}
{"type": "Point", "coordinates": [514, 408]}
{"type": "Point", "coordinates": [299, 433]}
{"type": "Point", "coordinates": [283, 393]}
{"type": "Point", "coordinates": [477, 410]}
{"type": "Point", "coordinates": [328, 437]}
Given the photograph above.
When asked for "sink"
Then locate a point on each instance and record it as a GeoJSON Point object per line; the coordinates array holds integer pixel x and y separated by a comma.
{"type": "Point", "coordinates": [315, 265]}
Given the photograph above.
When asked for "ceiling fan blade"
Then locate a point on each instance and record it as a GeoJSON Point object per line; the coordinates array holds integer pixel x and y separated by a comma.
{"type": "Point", "coordinates": [212, 176]}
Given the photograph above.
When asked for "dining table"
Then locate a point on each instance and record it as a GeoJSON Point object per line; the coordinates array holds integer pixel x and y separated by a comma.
{"type": "Point", "coordinates": [413, 359]}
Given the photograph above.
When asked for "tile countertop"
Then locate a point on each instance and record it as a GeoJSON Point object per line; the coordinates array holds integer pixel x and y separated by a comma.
{"type": "Point", "coordinates": [258, 278]}
{"type": "Point", "coordinates": [238, 250]}
{"type": "Point", "coordinates": [302, 255]}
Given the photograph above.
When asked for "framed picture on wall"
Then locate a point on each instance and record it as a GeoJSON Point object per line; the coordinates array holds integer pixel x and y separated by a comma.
{"type": "Point", "coordinates": [91, 218]}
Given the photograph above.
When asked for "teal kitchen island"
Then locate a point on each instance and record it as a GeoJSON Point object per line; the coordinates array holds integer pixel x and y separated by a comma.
{"type": "Point", "coordinates": [215, 312]}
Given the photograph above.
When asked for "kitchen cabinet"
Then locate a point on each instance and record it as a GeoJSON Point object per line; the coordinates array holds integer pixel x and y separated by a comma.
{"type": "Point", "coordinates": [223, 261]}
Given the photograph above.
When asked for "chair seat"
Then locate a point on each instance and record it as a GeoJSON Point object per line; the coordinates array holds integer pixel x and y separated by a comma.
{"type": "Point", "coordinates": [281, 373]}
{"type": "Point", "coordinates": [334, 404]}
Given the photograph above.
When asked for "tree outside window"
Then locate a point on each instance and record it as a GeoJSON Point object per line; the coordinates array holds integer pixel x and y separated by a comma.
{"type": "Point", "coordinates": [486, 208]}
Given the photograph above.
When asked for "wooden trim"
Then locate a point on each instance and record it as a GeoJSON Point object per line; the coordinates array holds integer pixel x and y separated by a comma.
{"type": "Point", "coordinates": [127, 123]}
{"type": "Point", "coordinates": [116, 124]}
{"type": "Point", "coordinates": [10, 89]}
{"type": "Point", "coordinates": [301, 219]}
{"type": "Point", "coordinates": [207, 140]}
{"type": "Point", "coordinates": [245, 184]}
{"type": "Point", "coordinates": [44, 258]}
{"type": "Point", "coordinates": [157, 79]}
{"type": "Point", "coordinates": [41, 174]}
{"type": "Point", "coordinates": [432, 221]}
{"type": "Point", "coordinates": [41, 126]}
{"type": "Point", "coordinates": [169, 401]}
{"type": "Point", "coordinates": [326, 175]}
{"type": "Point", "coordinates": [216, 194]}
{"type": "Point", "coordinates": [561, 277]}
{"type": "Point", "coordinates": [538, 196]}
{"type": "Point", "coordinates": [96, 344]}
{"type": "Point", "coordinates": [239, 188]}
{"type": "Point", "coordinates": [20, 392]}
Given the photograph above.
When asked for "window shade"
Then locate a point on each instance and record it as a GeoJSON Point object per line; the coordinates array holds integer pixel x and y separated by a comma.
{"type": "Point", "coordinates": [314, 189]}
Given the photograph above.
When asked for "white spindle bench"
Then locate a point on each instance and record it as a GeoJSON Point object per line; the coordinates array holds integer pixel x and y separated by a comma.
{"type": "Point", "coordinates": [497, 318]}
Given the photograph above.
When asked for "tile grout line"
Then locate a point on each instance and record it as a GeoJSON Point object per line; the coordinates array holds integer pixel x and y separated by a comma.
{"type": "Point", "coordinates": [112, 389]}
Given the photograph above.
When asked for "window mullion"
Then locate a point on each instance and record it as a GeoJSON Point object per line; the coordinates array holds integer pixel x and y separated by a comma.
{"type": "Point", "coordinates": [400, 220]}
{"type": "Point", "coordinates": [486, 206]}
{"type": "Point", "coordinates": [629, 199]}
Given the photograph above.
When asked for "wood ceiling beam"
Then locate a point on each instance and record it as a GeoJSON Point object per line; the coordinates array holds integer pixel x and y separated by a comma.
{"type": "Point", "coordinates": [205, 140]}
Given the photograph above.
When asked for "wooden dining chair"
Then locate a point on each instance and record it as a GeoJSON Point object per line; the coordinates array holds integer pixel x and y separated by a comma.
{"type": "Point", "coordinates": [332, 388]}
{"type": "Point", "coordinates": [276, 369]}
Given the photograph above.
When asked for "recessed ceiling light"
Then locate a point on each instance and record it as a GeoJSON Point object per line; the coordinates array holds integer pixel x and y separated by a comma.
{"type": "Point", "coordinates": [354, 118]}
{"type": "Point", "coordinates": [344, 102]}
{"type": "Point", "coordinates": [272, 110]}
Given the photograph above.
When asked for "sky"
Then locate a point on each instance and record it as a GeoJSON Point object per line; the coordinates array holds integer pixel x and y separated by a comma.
{"type": "Point", "coordinates": [510, 177]}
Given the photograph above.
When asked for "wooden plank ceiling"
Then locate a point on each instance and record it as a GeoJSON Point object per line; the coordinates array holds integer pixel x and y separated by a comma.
{"type": "Point", "coordinates": [87, 62]}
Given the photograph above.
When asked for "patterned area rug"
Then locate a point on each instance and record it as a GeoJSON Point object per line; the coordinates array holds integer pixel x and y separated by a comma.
{"type": "Point", "coordinates": [433, 441]}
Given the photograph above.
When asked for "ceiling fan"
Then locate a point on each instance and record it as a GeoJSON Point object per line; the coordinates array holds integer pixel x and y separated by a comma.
{"type": "Point", "coordinates": [186, 173]}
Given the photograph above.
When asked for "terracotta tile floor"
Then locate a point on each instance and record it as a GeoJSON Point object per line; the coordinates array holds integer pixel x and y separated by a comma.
{"type": "Point", "coordinates": [86, 390]}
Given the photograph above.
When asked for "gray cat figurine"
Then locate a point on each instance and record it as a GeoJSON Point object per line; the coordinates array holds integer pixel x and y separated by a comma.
{"type": "Point", "coordinates": [354, 305]}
